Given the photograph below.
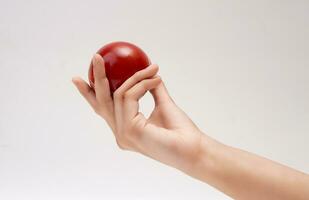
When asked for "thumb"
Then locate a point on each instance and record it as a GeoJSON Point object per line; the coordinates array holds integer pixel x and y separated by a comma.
{"type": "Point", "coordinates": [85, 90]}
{"type": "Point", "coordinates": [161, 95]}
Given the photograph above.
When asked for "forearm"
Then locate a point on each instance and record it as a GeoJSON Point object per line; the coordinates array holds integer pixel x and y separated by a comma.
{"type": "Point", "coordinates": [243, 175]}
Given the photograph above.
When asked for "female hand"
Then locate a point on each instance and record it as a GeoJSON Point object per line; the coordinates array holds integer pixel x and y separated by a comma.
{"type": "Point", "coordinates": [168, 135]}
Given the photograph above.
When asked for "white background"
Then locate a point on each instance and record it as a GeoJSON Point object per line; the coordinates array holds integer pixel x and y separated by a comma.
{"type": "Point", "coordinates": [239, 68]}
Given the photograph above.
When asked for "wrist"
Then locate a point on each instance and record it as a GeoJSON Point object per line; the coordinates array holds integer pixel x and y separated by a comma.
{"type": "Point", "coordinates": [205, 164]}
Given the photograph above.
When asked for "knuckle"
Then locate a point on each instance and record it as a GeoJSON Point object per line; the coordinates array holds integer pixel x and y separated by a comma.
{"type": "Point", "coordinates": [117, 94]}
{"type": "Point", "coordinates": [135, 77]}
{"type": "Point", "coordinates": [136, 129]}
{"type": "Point", "coordinates": [100, 79]}
{"type": "Point", "coordinates": [138, 75]}
{"type": "Point", "coordinates": [127, 95]}
{"type": "Point", "coordinates": [143, 85]}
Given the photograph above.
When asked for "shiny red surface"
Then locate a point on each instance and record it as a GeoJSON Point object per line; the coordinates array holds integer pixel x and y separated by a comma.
{"type": "Point", "coordinates": [122, 60]}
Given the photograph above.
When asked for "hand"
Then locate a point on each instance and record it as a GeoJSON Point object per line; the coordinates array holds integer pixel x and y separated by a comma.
{"type": "Point", "coordinates": [168, 135]}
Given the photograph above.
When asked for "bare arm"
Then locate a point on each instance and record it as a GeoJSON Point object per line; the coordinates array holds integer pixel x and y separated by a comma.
{"type": "Point", "coordinates": [170, 137]}
{"type": "Point", "coordinates": [243, 175]}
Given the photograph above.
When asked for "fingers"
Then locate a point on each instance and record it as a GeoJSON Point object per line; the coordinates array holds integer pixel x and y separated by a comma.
{"type": "Point", "coordinates": [130, 122]}
{"type": "Point", "coordinates": [104, 110]}
{"type": "Point", "coordinates": [85, 91]}
{"type": "Point", "coordinates": [132, 96]}
{"type": "Point", "coordinates": [120, 117]}
{"type": "Point", "coordinates": [98, 67]}
{"type": "Point", "coordinates": [102, 89]}
{"type": "Point", "coordinates": [137, 77]}
{"type": "Point", "coordinates": [138, 90]}
{"type": "Point", "coordinates": [160, 94]}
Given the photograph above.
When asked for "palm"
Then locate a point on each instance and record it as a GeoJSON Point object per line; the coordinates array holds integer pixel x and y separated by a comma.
{"type": "Point", "coordinates": [171, 126]}
{"type": "Point", "coordinates": [169, 116]}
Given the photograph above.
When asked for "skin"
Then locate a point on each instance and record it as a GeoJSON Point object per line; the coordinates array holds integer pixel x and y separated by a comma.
{"type": "Point", "coordinates": [170, 137]}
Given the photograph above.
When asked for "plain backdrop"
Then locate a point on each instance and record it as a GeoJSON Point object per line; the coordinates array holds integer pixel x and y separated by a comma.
{"type": "Point", "coordinates": [239, 69]}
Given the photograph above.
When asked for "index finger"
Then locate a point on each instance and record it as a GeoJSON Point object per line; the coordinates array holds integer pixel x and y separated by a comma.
{"type": "Point", "coordinates": [101, 82]}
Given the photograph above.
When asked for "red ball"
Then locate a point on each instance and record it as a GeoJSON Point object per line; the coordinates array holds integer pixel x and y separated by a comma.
{"type": "Point", "coordinates": [122, 60]}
